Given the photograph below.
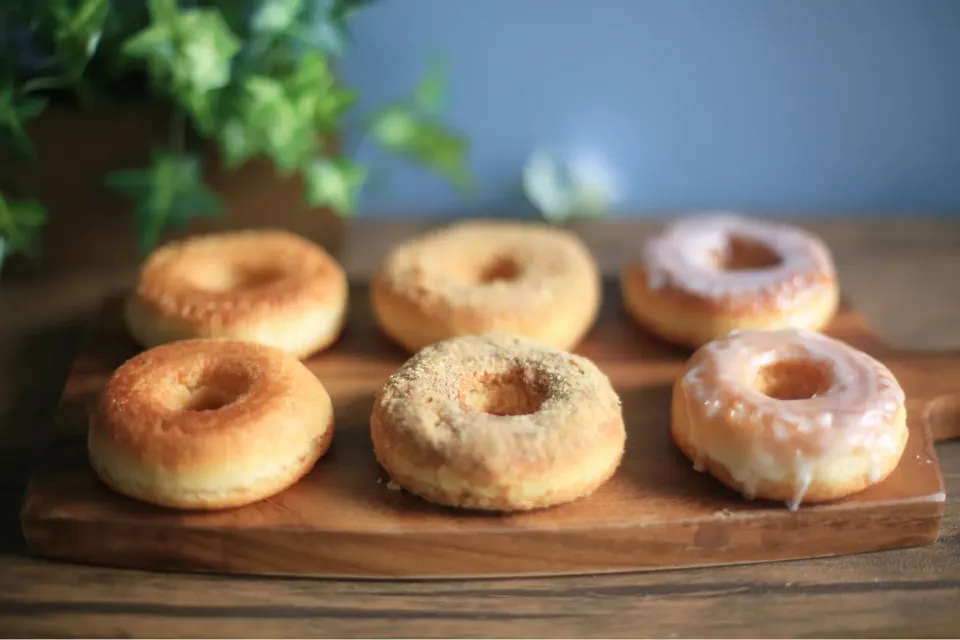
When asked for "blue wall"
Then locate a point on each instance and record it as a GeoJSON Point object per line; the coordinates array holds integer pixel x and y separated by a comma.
{"type": "Point", "coordinates": [783, 105]}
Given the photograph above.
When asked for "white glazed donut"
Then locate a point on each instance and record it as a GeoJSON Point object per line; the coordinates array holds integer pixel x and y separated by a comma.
{"type": "Point", "coordinates": [789, 415]}
{"type": "Point", "coordinates": [705, 276]}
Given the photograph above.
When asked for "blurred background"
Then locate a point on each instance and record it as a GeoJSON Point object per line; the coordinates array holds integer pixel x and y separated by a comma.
{"type": "Point", "coordinates": [806, 106]}
{"type": "Point", "coordinates": [124, 123]}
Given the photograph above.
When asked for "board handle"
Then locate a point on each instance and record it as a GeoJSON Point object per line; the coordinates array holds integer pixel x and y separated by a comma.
{"type": "Point", "coordinates": [934, 378]}
{"type": "Point", "coordinates": [942, 416]}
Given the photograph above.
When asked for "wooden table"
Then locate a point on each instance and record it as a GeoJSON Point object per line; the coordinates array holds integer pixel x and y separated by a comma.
{"type": "Point", "coordinates": [903, 275]}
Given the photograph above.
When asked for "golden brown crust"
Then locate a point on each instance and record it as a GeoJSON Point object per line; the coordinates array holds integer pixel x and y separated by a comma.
{"type": "Point", "coordinates": [209, 423]}
{"type": "Point", "coordinates": [267, 286]}
{"type": "Point", "coordinates": [498, 422]}
{"type": "Point", "coordinates": [472, 277]}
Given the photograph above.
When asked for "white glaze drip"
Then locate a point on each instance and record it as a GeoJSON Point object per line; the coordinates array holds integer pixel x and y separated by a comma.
{"type": "Point", "coordinates": [790, 437]}
{"type": "Point", "coordinates": [803, 471]}
{"type": "Point", "coordinates": [682, 257]}
{"type": "Point", "coordinates": [692, 379]}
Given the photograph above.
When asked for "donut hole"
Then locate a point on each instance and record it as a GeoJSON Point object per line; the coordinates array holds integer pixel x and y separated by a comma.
{"type": "Point", "coordinates": [207, 399]}
{"type": "Point", "coordinates": [256, 277]}
{"type": "Point", "coordinates": [212, 390]}
{"type": "Point", "coordinates": [508, 393]}
{"type": "Point", "coordinates": [794, 379]}
{"type": "Point", "coordinates": [745, 254]}
{"type": "Point", "coordinates": [242, 277]}
{"type": "Point", "coordinates": [500, 269]}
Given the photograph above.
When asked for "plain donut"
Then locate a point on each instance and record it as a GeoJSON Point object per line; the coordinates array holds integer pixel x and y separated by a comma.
{"type": "Point", "coordinates": [499, 423]}
{"type": "Point", "coordinates": [527, 279]}
{"type": "Point", "coordinates": [266, 286]}
{"type": "Point", "coordinates": [789, 415]}
{"type": "Point", "coordinates": [705, 276]}
{"type": "Point", "coordinates": [209, 424]}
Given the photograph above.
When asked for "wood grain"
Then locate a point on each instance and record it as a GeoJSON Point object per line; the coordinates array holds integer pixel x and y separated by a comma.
{"type": "Point", "coordinates": [656, 512]}
{"type": "Point", "coordinates": [894, 271]}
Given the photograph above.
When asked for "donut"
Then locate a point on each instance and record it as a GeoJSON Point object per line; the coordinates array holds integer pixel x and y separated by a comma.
{"type": "Point", "coordinates": [789, 415]}
{"type": "Point", "coordinates": [497, 422]}
{"type": "Point", "coordinates": [209, 423]}
{"type": "Point", "coordinates": [705, 276]}
{"type": "Point", "coordinates": [523, 278]}
{"type": "Point", "coordinates": [266, 286]}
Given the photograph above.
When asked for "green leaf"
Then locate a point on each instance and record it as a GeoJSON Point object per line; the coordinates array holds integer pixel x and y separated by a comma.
{"type": "Point", "coordinates": [270, 114]}
{"type": "Point", "coordinates": [20, 224]}
{"type": "Point", "coordinates": [154, 43]}
{"type": "Point", "coordinates": [395, 127]}
{"type": "Point", "coordinates": [312, 74]}
{"type": "Point", "coordinates": [236, 13]}
{"type": "Point", "coordinates": [445, 152]}
{"type": "Point", "coordinates": [163, 11]}
{"type": "Point", "coordinates": [236, 144]}
{"type": "Point", "coordinates": [331, 106]}
{"type": "Point", "coordinates": [274, 16]}
{"type": "Point", "coordinates": [283, 115]}
{"type": "Point", "coordinates": [335, 183]}
{"type": "Point", "coordinates": [14, 114]}
{"type": "Point", "coordinates": [192, 49]}
{"type": "Point", "coordinates": [202, 107]}
{"type": "Point", "coordinates": [560, 191]}
{"type": "Point", "coordinates": [278, 125]}
{"type": "Point", "coordinates": [400, 131]}
{"type": "Point", "coordinates": [323, 28]}
{"type": "Point", "coordinates": [32, 107]}
{"type": "Point", "coordinates": [546, 187]}
{"type": "Point", "coordinates": [78, 33]}
{"type": "Point", "coordinates": [326, 36]}
{"type": "Point", "coordinates": [310, 87]}
{"type": "Point", "coordinates": [430, 94]}
{"type": "Point", "coordinates": [167, 194]}
{"type": "Point", "coordinates": [208, 48]}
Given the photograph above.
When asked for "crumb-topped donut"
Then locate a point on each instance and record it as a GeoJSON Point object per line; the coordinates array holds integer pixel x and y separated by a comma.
{"type": "Point", "coordinates": [499, 423]}
{"type": "Point", "coordinates": [209, 424]}
{"type": "Point", "coordinates": [268, 286]}
{"type": "Point", "coordinates": [527, 279]}
{"type": "Point", "coordinates": [789, 415]}
{"type": "Point", "coordinates": [705, 276]}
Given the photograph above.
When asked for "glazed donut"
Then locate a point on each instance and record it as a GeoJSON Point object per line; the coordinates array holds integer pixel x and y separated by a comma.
{"type": "Point", "coordinates": [705, 276]}
{"type": "Point", "coordinates": [499, 423]}
{"type": "Point", "coordinates": [209, 424]}
{"type": "Point", "coordinates": [527, 279]}
{"type": "Point", "coordinates": [269, 286]}
{"type": "Point", "coordinates": [789, 415]}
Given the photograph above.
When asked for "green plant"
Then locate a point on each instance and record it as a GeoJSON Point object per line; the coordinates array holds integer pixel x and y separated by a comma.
{"type": "Point", "coordinates": [254, 77]}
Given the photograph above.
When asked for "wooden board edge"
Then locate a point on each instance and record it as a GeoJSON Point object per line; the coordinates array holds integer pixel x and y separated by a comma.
{"type": "Point", "coordinates": [906, 524]}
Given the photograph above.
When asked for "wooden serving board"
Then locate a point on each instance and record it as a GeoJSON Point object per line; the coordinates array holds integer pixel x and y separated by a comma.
{"type": "Point", "coordinates": [344, 520]}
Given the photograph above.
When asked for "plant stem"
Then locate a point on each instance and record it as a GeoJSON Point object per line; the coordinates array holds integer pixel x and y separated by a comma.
{"type": "Point", "coordinates": [42, 83]}
{"type": "Point", "coordinates": [178, 130]}
{"type": "Point", "coordinates": [84, 94]}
